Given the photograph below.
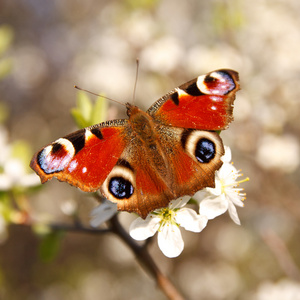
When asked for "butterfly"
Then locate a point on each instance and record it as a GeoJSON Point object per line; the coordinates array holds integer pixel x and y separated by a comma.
{"type": "Point", "coordinates": [143, 162]}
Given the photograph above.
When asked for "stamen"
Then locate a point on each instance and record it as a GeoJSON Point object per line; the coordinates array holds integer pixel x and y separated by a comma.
{"type": "Point", "coordinates": [243, 180]}
{"type": "Point", "coordinates": [167, 217]}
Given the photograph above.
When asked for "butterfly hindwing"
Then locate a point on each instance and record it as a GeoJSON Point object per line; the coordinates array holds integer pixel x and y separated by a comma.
{"type": "Point", "coordinates": [183, 161]}
{"type": "Point", "coordinates": [135, 185]}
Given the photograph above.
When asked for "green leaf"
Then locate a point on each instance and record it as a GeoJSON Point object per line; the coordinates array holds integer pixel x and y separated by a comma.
{"type": "Point", "coordinates": [87, 114]}
{"type": "Point", "coordinates": [99, 113]}
{"type": "Point", "coordinates": [84, 105]}
{"type": "Point", "coordinates": [78, 118]}
{"type": "Point", "coordinates": [50, 245]}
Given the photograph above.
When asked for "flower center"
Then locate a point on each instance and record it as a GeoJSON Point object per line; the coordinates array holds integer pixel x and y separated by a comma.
{"type": "Point", "coordinates": [167, 216]}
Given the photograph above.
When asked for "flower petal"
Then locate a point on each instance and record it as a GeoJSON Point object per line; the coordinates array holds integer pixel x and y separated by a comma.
{"type": "Point", "coordinates": [190, 220]}
{"type": "Point", "coordinates": [217, 190]}
{"type": "Point", "coordinates": [200, 195]}
{"type": "Point", "coordinates": [142, 229]}
{"type": "Point", "coordinates": [180, 202]}
{"type": "Point", "coordinates": [228, 173]}
{"type": "Point", "coordinates": [235, 197]}
{"type": "Point", "coordinates": [170, 241]}
{"type": "Point", "coordinates": [233, 213]}
{"type": "Point", "coordinates": [213, 207]}
{"type": "Point", "coordinates": [102, 213]}
{"type": "Point", "coordinates": [227, 156]}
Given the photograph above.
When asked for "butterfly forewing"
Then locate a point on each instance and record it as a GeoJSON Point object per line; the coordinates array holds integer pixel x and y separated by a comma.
{"type": "Point", "coordinates": [83, 158]}
{"type": "Point", "coordinates": [203, 103]}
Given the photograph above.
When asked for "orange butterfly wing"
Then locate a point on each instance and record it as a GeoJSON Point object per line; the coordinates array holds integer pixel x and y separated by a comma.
{"type": "Point", "coordinates": [83, 158]}
{"type": "Point", "coordinates": [205, 102]}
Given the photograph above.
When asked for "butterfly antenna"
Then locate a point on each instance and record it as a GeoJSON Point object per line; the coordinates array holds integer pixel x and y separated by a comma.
{"type": "Point", "coordinates": [136, 79]}
{"type": "Point", "coordinates": [102, 96]}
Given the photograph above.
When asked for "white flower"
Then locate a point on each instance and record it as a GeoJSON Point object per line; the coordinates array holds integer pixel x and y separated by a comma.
{"type": "Point", "coordinates": [103, 213]}
{"type": "Point", "coordinates": [15, 175]}
{"type": "Point", "coordinates": [167, 221]}
{"type": "Point", "coordinates": [13, 169]}
{"type": "Point", "coordinates": [225, 196]}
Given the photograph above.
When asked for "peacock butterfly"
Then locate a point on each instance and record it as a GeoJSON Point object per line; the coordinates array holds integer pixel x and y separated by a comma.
{"type": "Point", "coordinates": [143, 162]}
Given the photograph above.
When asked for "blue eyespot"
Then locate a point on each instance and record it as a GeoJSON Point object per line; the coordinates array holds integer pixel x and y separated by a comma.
{"type": "Point", "coordinates": [120, 187]}
{"type": "Point", "coordinates": [205, 150]}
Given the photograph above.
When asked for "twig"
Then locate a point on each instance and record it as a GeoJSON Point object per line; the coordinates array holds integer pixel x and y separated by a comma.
{"type": "Point", "coordinates": [78, 228]}
{"type": "Point", "coordinates": [140, 251]}
{"type": "Point", "coordinates": [146, 261]}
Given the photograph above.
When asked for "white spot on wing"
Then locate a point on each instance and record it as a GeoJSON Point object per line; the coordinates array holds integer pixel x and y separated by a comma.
{"type": "Point", "coordinates": [180, 92]}
{"type": "Point", "coordinates": [214, 98]}
{"type": "Point", "coordinates": [88, 134]}
{"type": "Point", "coordinates": [72, 166]}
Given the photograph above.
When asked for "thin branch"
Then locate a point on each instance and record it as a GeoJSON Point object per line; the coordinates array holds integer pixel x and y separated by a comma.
{"type": "Point", "coordinates": [78, 228]}
{"type": "Point", "coordinates": [146, 261]}
{"type": "Point", "coordinates": [140, 251]}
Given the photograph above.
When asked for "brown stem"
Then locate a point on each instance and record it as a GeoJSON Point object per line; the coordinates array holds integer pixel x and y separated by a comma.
{"type": "Point", "coordinates": [78, 228]}
{"type": "Point", "coordinates": [140, 251]}
{"type": "Point", "coordinates": [146, 261]}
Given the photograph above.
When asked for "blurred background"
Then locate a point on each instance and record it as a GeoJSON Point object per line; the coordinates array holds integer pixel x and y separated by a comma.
{"type": "Point", "coordinates": [51, 45]}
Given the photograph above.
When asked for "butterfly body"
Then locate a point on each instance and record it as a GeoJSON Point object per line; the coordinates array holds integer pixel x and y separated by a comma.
{"type": "Point", "coordinates": [153, 157]}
